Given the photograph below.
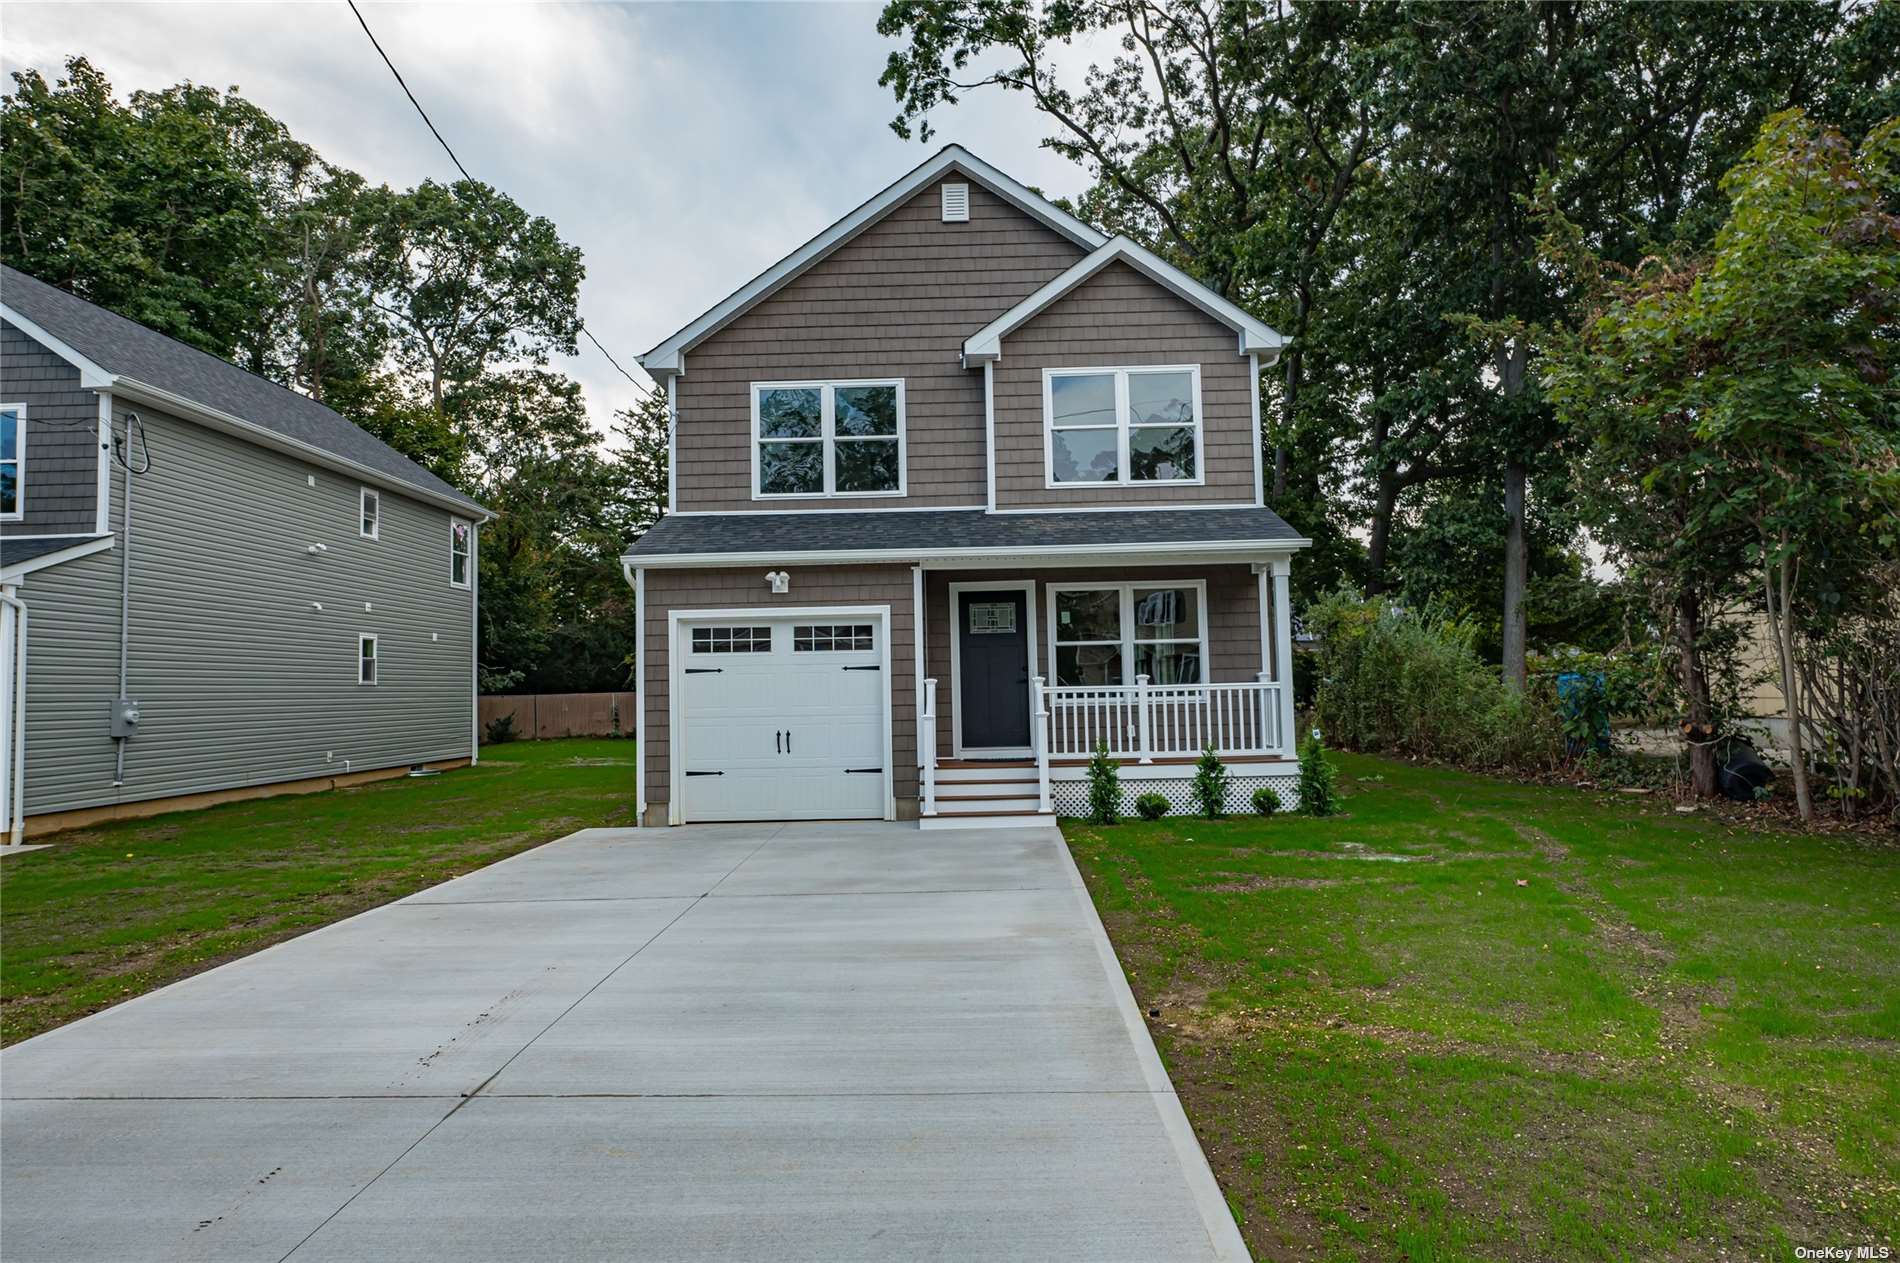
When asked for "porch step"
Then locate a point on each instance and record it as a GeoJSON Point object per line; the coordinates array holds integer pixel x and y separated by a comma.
{"type": "Point", "coordinates": [1028, 819]}
{"type": "Point", "coordinates": [948, 774]}
{"type": "Point", "coordinates": [947, 803]}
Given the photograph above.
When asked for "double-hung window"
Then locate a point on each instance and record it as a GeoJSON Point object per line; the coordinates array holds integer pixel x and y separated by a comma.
{"type": "Point", "coordinates": [827, 439]}
{"type": "Point", "coordinates": [369, 515]}
{"type": "Point", "coordinates": [366, 659]}
{"type": "Point", "coordinates": [12, 462]}
{"type": "Point", "coordinates": [460, 536]}
{"type": "Point", "coordinates": [1107, 634]}
{"type": "Point", "coordinates": [1125, 425]}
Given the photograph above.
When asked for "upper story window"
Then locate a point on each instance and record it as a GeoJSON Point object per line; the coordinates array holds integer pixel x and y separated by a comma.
{"type": "Point", "coordinates": [827, 439]}
{"type": "Point", "coordinates": [369, 523]}
{"type": "Point", "coordinates": [1122, 425]}
{"type": "Point", "coordinates": [12, 461]}
{"type": "Point", "coordinates": [366, 659]}
{"type": "Point", "coordinates": [461, 540]}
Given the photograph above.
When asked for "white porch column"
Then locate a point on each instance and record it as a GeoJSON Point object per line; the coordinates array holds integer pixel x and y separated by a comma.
{"type": "Point", "coordinates": [1283, 649]}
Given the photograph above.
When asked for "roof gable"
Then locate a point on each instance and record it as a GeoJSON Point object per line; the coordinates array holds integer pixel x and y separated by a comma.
{"type": "Point", "coordinates": [127, 358]}
{"type": "Point", "coordinates": [1253, 335]}
{"type": "Point", "coordinates": [669, 357]}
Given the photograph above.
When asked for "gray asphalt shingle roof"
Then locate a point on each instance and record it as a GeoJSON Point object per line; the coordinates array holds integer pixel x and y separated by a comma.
{"type": "Point", "coordinates": [127, 348]}
{"type": "Point", "coordinates": [15, 551]}
{"type": "Point", "coordinates": [940, 530]}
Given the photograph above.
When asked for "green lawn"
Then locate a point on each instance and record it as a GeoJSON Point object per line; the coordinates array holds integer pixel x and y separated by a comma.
{"type": "Point", "coordinates": [108, 913]}
{"type": "Point", "coordinates": [1477, 1020]}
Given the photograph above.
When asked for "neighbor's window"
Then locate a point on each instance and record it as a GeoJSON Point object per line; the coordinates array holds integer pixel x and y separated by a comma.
{"type": "Point", "coordinates": [370, 515]}
{"type": "Point", "coordinates": [1123, 425]}
{"type": "Point", "coordinates": [1109, 635]}
{"type": "Point", "coordinates": [366, 659]}
{"type": "Point", "coordinates": [12, 460]}
{"type": "Point", "coordinates": [828, 439]}
{"type": "Point", "coordinates": [460, 534]}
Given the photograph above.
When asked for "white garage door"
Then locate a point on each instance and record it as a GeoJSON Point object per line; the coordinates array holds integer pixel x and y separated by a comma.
{"type": "Point", "coordinates": [782, 718]}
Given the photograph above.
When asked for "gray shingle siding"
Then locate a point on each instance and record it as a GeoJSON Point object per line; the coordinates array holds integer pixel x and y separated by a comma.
{"type": "Point", "coordinates": [241, 679]}
{"type": "Point", "coordinates": [62, 425]}
{"type": "Point", "coordinates": [896, 301]}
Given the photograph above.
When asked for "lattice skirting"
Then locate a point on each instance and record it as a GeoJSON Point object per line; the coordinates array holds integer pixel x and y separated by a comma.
{"type": "Point", "coordinates": [1071, 798]}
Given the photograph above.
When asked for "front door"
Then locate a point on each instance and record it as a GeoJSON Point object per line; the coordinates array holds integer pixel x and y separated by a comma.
{"type": "Point", "coordinates": [993, 667]}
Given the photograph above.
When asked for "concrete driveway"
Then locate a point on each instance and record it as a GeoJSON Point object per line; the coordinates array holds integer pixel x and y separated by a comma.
{"type": "Point", "coordinates": [819, 1042]}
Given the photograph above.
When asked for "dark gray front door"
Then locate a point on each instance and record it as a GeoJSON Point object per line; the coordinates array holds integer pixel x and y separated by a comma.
{"type": "Point", "coordinates": [993, 658]}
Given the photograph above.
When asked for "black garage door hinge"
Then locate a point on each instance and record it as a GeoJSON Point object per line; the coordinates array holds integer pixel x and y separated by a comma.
{"type": "Point", "coordinates": [864, 769]}
{"type": "Point", "coordinates": [704, 670]}
{"type": "Point", "coordinates": [705, 773]}
{"type": "Point", "coordinates": [871, 668]}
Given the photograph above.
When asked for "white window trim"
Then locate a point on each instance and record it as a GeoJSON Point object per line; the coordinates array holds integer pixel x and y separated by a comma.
{"type": "Point", "coordinates": [374, 661]}
{"type": "Point", "coordinates": [468, 570]}
{"type": "Point", "coordinates": [1127, 615]}
{"type": "Point", "coordinates": [1121, 427]}
{"type": "Point", "coordinates": [18, 462]}
{"type": "Point", "coordinates": [365, 497]}
{"type": "Point", "coordinates": [828, 439]}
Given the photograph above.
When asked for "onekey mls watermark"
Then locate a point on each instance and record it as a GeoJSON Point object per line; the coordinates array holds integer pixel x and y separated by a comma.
{"type": "Point", "coordinates": [1844, 1253]}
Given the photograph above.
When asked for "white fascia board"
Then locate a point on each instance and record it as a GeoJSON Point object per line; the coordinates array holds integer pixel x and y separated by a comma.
{"type": "Point", "coordinates": [14, 573]}
{"type": "Point", "coordinates": [669, 356]}
{"type": "Point", "coordinates": [1236, 549]}
{"type": "Point", "coordinates": [91, 376]}
{"type": "Point", "coordinates": [987, 343]}
{"type": "Point", "coordinates": [212, 418]}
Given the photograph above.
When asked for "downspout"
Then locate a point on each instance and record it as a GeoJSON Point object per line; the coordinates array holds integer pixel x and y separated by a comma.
{"type": "Point", "coordinates": [125, 580]}
{"type": "Point", "coordinates": [16, 787]}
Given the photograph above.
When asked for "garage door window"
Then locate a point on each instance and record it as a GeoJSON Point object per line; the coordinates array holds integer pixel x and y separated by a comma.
{"type": "Point", "coordinates": [831, 637]}
{"type": "Point", "coordinates": [732, 640]}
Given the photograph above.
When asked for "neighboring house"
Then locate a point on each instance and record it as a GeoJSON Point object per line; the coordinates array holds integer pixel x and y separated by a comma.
{"type": "Point", "coordinates": [283, 600]}
{"type": "Point", "coordinates": [962, 487]}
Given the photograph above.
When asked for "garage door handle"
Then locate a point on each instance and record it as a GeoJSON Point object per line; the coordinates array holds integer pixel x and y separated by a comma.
{"type": "Point", "coordinates": [704, 670]}
{"type": "Point", "coordinates": [871, 668]}
{"type": "Point", "coordinates": [705, 773]}
{"type": "Point", "coordinates": [778, 742]}
{"type": "Point", "coordinates": [864, 769]}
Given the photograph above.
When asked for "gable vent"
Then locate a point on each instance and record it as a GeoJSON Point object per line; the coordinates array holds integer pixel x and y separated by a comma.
{"type": "Point", "coordinates": [956, 203]}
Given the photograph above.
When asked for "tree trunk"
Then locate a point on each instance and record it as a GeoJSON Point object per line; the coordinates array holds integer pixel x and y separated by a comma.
{"type": "Point", "coordinates": [1291, 391]}
{"type": "Point", "coordinates": [1379, 543]}
{"type": "Point", "coordinates": [1516, 574]}
{"type": "Point", "coordinates": [1780, 585]}
{"type": "Point", "coordinates": [1699, 723]}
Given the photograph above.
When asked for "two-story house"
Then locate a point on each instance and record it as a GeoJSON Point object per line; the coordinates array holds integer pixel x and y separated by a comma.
{"type": "Point", "coordinates": [962, 488]}
{"type": "Point", "coordinates": [210, 586]}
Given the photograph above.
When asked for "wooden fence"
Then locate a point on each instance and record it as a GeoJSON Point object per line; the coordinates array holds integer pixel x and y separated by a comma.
{"type": "Point", "coordinates": [543, 716]}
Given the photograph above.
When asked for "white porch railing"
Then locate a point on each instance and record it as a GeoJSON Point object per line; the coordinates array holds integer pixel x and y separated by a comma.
{"type": "Point", "coordinates": [927, 749]}
{"type": "Point", "coordinates": [1149, 721]}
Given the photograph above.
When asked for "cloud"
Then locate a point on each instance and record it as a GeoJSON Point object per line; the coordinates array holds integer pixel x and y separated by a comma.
{"type": "Point", "coordinates": [684, 148]}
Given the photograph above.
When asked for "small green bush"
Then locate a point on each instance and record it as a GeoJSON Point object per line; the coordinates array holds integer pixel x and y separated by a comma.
{"type": "Point", "coordinates": [1319, 788]}
{"type": "Point", "coordinates": [1151, 806]}
{"type": "Point", "coordinates": [501, 730]}
{"type": "Point", "coordinates": [1265, 801]}
{"type": "Point", "coordinates": [1210, 784]}
{"type": "Point", "coordinates": [1105, 787]}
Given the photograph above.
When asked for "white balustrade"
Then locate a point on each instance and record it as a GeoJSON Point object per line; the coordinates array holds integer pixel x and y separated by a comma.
{"type": "Point", "coordinates": [1144, 721]}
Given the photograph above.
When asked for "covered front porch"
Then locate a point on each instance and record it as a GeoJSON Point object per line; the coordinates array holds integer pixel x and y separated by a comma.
{"type": "Point", "coordinates": [1024, 673]}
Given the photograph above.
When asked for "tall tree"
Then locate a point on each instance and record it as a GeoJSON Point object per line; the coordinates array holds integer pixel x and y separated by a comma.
{"type": "Point", "coordinates": [467, 279]}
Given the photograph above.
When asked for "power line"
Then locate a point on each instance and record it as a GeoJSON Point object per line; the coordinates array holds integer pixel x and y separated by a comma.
{"type": "Point", "coordinates": [433, 131]}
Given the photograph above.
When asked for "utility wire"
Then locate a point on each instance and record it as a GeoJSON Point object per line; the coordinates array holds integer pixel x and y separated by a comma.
{"type": "Point", "coordinates": [433, 131]}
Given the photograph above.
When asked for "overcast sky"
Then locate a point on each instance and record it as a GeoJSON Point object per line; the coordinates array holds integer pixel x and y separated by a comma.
{"type": "Point", "coordinates": [683, 147]}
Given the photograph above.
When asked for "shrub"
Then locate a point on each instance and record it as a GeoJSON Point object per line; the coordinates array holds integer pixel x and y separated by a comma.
{"type": "Point", "coordinates": [501, 729]}
{"type": "Point", "coordinates": [1151, 806]}
{"type": "Point", "coordinates": [1412, 682]}
{"type": "Point", "coordinates": [1105, 787]}
{"type": "Point", "coordinates": [1265, 801]}
{"type": "Point", "coordinates": [1319, 790]}
{"type": "Point", "coordinates": [1210, 784]}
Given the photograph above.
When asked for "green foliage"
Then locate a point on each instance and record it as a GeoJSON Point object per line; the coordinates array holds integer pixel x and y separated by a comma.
{"type": "Point", "coordinates": [1151, 806]}
{"type": "Point", "coordinates": [1395, 680]}
{"type": "Point", "coordinates": [501, 729]}
{"type": "Point", "coordinates": [1319, 779]}
{"type": "Point", "coordinates": [1266, 801]}
{"type": "Point", "coordinates": [1210, 784]}
{"type": "Point", "coordinates": [1105, 787]}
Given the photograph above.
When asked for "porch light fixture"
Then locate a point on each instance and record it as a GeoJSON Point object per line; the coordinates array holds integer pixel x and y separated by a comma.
{"type": "Point", "coordinates": [781, 581]}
